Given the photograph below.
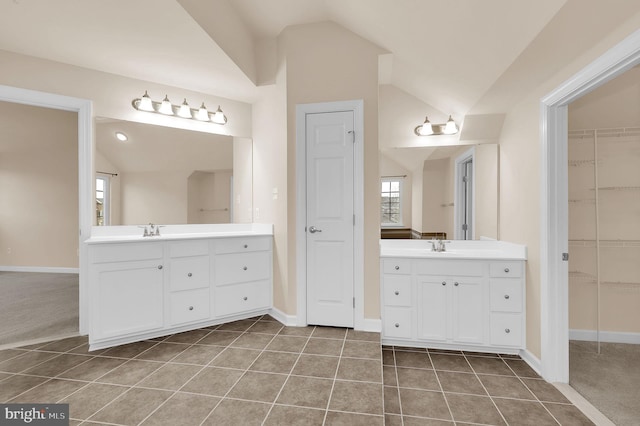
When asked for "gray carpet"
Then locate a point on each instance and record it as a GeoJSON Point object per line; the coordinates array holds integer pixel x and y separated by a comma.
{"type": "Point", "coordinates": [37, 306]}
{"type": "Point", "coordinates": [609, 380]}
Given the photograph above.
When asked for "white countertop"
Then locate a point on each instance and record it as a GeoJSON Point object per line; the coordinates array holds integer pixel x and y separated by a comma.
{"type": "Point", "coordinates": [121, 234]}
{"type": "Point", "coordinates": [455, 249]}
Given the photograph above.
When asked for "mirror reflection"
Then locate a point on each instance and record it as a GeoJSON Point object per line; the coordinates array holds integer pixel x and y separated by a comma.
{"type": "Point", "coordinates": [448, 192]}
{"type": "Point", "coordinates": [147, 173]}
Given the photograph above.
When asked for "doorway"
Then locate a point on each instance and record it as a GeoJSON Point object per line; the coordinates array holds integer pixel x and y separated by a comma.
{"type": "Point", "coordinates": [329, 200]}
{"type": "Point", "coordinates": [464, 203]}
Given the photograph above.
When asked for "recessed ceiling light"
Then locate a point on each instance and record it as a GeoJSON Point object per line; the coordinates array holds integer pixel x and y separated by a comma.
{"type": "Point", "coordinates": [122, 137]}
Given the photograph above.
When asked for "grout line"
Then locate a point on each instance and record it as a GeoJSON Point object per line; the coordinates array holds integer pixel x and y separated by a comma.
{"type": "Point", "coordinates": [334, 381]}
{"type": "Point", "coordinates": [395, 370]}
{"type": "Point", "coordinates": [485, 389]}
{"type": "Point", "coordinates": [444, 395]}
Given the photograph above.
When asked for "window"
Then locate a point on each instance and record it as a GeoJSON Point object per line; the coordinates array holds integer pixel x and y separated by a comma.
{"type": "Point", "coordinates": [391, 202]}
{"type": "Point", "coordinates": [102, 200]}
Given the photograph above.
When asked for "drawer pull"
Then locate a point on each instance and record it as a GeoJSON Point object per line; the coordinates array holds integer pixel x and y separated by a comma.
{"type": "Point", "coordinates": [245, 298]}
{"type": "Point", "coordinates": [444, 283]}
{"type": "Point", "coordinates": [159, 266]}
{"type": "Point", "coordinates": [397, 268]}
{"type": "Point", "coordinates": [397, 325]}
{"type": "Point", "coordinates": [191, 308]}
{"type": "Point", "coordinates": [244, 268]}
{"type": "Point", "coordinates": [246, 246]}
{"type": "Point", "coordinates": [396, 292]}
{"type": "Point", "coordinates": [506, 330]}
{"type": "Point", "coordinates": [506, 270]}
{"type": "Point", "coordinates": [189, 274]}
{"type": "Point", "coordinates": [456, 284]}
{"type": "Point", "coordinates": [506, 296]}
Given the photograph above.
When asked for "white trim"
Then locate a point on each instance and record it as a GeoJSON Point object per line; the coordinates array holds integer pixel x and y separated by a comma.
{"type": "Point", "coordinates": [357, 106]}
{"type": "Point", "coordinates": [583, 405]}
{"type": "Point", "coordinates": [605, 336]}
{"type": "Point", "coordinates": [38, 341]}
{"type": "Point", "coordinates": [84, 108]}
{"type": "Point", "coordinates": [284, 319]}
{"type": "Point", "coordinates": [554, 291]}
{"type": "Point", "coordinates": [532, 360]}
{"type": "Point", "coordinates": [46, 269]}
{"type": "Point", "coordinates": [371, 324]}
{"type": "Point", "coordinates": [457, 189]}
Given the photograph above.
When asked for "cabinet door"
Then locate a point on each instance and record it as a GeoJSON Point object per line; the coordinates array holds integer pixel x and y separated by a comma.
{"type": "Point", "coordinates": [432, 307]}
{"type": "Point", "coordinates": [127, 298]}
{"type": "Point", "coordinates": [468, 310]}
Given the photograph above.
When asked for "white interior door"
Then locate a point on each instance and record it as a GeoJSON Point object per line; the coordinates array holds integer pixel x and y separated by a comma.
{"type": "Point", "coordinates": [330, 218]}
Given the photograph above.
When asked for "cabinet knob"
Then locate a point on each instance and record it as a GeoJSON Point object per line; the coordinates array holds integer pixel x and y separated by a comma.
{"type": "Point", "coordinates": [246, 246]}
{"type": "Point", "coordinates": [506, 270]}
{"type": "Point", "coordinates": [397, 268]}
{"type": "Point", "coordinates": [245, 298]}
{"type": "Point", "coordinates": [444, 283]}
{"type": "Point", "coordinates": [191, 308]}
{"type": "Point", "coordinates": [159, 266]}
{"type": "Point", "coordinates": [397, 325]}
{"type": "Point", "coordinates": [506, 330]}
{"type": "Point", "coordinates": [506, 296]}
{"type": "Point", "coordinates": [189, 274]}
{"type": "Point", "coordinates": [456, 284]}
{"type": "Point", "coordinates": [396, 292]}
{"type": "Point", "coordinates": [244, 268]}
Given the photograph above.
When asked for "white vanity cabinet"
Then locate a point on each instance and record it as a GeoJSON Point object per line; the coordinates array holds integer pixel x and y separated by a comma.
{"type": "Point", "coordinates": [453, 303]}
{"type": "Point", "coordinates": [148, 288]}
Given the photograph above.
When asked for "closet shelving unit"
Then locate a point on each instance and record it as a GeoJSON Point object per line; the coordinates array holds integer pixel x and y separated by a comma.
{"type": "Point", "coordinates": [604, 212]}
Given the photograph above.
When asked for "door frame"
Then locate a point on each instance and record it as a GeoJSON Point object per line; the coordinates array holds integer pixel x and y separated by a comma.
{"type": "Point", "coordinates": [554, 223]}
{"type": "Point", "coordinates": [470, 154]}
{"type": "Point", "coordinates": [357, 106]}
{"type": "Point", "coordinates": [84, 108]}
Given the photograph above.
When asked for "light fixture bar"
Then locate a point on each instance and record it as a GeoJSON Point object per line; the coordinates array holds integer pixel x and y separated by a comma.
{"type": "Point", "coordinates": [165, 107]}
{"type": "Point", "coordinates": [429, 129]}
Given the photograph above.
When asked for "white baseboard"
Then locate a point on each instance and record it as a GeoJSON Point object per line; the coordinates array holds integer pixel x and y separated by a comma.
{"type": "Point", "coordinates": [605, 336]}
{"type": "Point", "coordinates": [47, 269]}
{"type": "Point", "coordinates": [372, 324]}
{"type": "Point", "coordinates": [532, 360]}
{"type": "Point", "coordinates": [285, 319]}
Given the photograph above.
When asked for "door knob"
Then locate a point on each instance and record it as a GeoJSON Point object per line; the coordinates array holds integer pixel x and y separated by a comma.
{"type": "Point", "coordinates": [313, 229]}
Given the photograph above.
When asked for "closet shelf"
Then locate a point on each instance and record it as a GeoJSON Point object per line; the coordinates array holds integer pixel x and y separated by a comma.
{"type": "Point", "coordinates": [581, 276]}
{"type": "Point", "coordinates": [446, 205]}
{"type": "Point", "coordinates": [583, 200]}
{"type": "Point", "coordinates": [617, 188]}
{"type": "Point", "coordinates": [579, 163]}
{"type": "Point", "coordinates": [605, 243]}
{"type": "Point", "coordinates": [604, 133]}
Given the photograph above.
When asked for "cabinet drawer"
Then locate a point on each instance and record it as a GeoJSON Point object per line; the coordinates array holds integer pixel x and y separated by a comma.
{"type": "Point", "coordinates": [188, 306]}
{"type": "Point", "coordinates": [238, 298]}
{"type": "Point", "coordinates": [450, 267]}
{"type": "Point", "coordinates": [242, 267]}
{"type": "Point", "coordinates": [506, 295]}
{"type": "Point", "coordinates": [241, 245]}
{"type": "Point", "coordinates": [397, 290]}
{"type": "Point", "coordinates": [397, 323]}
{"type": "Point", "coordinates": [189, 248]}
{"type": "Point", "coordinates": [506, 329]}
{"type": "Point", "coordinates": [189, 273]}
{"type": "Point", "coordinates": [506, 269]}
{"type": "Point", "coordinates": [106, 253]}
{"type": "Point", "coordinates": [396, 266]}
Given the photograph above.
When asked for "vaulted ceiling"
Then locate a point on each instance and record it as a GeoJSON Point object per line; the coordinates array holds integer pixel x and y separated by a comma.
{"type": "Point", "coordinates": [454, 55]}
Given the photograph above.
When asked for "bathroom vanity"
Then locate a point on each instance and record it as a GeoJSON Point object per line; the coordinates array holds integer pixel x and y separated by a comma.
{"type": "Point", "coordinates": [188, 277]}
{"type": "Point", "coordinates": [469, 297]}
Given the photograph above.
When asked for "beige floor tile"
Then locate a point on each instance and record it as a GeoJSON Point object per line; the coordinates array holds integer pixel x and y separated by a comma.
{"type": "Point", "coordinates": [287, 344]}
{"type": "Point", "coordinates": [198, 354]}
{"type": "Point", "coordinates": [130, 350]}
{"type": "Point", "coordinates": [252, 341]}
{"type": "Point", "coordinates": [460, 383]}
{"type": "Point", "coordinates": [26, 361]}
{"type": "Point", "coordinates": [256, 386]}
{"type": "Point", "coordinates": [267, 327]}
{"type": "Point", "coordinates": [568, 415]}
{"type": "Point", "coordinates": [329, 333]}
{"type": "Point", "coordinates": [132, 407]}
{"type": "Point", "coordinates": [351, 419]}
{"type": "Point", "coordinates": [357, 397]}
{"type": "Point", "coordinates": [363, 370]}
{"type": "Point", "coordinates": [57, 365]}
{"type": "Point", "coordinates": [240, 325]}
{"type": "Point", "coordinates": [446, 362]}
{"type": "Point", "coordinates": [316, 366]}
{"type": "Point", "coordinates": [213, 381]}
{"type": "Point", "coordinates": [545, 391]}
{"type": "Point", "coordinates": [65, 345]}
{"type": "Point", "coordinates": [417, 378]}
{"type": "Point", "coordinates": [130, 373]}
{"type": "Point", "coordinates": [360, 349]}
{"type": "Point", "coordinates": [232, 412]}
{"type": "Point", "coordinates": [182, 409]}
{"type": "Point", "coordinates": [489, 366]}
{"type": "Point", "coordinates": [88, 400]}
{"type": "Point", "coordinates": [93, 369]}
{"type": "Point", "coordinates": [15, 385]}
{"type": "Point", "coordinates": [192, 336]}
{"type": "Point", "coordinates": [219, 338]}
{"type": "Point", "coordinates": [391, 400]}
{"type": "Point", "coordinates": [294, 416]}
{"type": "Point", "coordinates": [275, 362]}
{"type": "Point", "coordinates": [524, 413]}
{"type": "Point", "coordinates": [162, 351]}
{"type": "Point", "coordinates": [51, 391]}
{"type": "Point", "coordinates": [306, 392]}
{"type": "Point", "coordinates": [421, 403]}
{"type": "Point", "coordinates": [297, 331]}
{"type": "Point", "coordinates": [473, 409]}
{"type": "Point", "coordinates": [412, 359]}
{"type": "Point", "coordinates": [363, 335]}
{"type": "Point", "coordinates": [170, 377]}
{"type": "Point", "coordinates": [506, 387]}
{"type": "Point", "coordinates": [324, 347]}
{"type": "Point", "coordinates": [236, 358]}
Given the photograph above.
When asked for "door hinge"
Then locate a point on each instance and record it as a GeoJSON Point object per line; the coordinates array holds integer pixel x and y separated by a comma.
{"type": "Point", "coordinates": [565, 257]}
{"type": "Point", "coordinates": [465, 226]}
{"type": "Point", "coordinates": [465, 179]}
{"type": "Point", "coordinates": [354, 302]}
{"type": "Point", "coordinates": [353, 135]}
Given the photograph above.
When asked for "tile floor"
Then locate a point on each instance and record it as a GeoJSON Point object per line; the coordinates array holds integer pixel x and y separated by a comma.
{"type": "Point", "coordinates": [258, 372]}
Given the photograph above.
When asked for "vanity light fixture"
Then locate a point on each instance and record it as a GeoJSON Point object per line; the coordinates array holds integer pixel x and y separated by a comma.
{"type": "Point", "coordinates": [184, 110]}
{"type": "Point", "coordinates": [428, 129]}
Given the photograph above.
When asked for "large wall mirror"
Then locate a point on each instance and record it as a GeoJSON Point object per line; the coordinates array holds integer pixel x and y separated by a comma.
{"type": "Point", "coordinates": [147, 173]}
{"type": "Point", "coordinates": [448, 192]}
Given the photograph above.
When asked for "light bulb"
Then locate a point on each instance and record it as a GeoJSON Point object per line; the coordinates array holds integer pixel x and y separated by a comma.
{"type": "Point", "coordinates": [450, 128]}
{"type": "Point", "coordinates": [145, 103]}
{"type": "Point", "coordinates": [203, 114]}
{"type": "Point", "coordinates": [185, 110]}
{"type": "Point", "coordinates": [166, 107]}
{"type": "Point", "coordinates": [122, 137]}
{"type": "Point", "coordinates": [426, 129]}
{"type": "Point", "coordinates": [219, 117]}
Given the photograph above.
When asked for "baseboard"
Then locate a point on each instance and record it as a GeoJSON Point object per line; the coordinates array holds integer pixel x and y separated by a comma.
{"type": "Point", "coordinates": [372, 324]}
{"type": "Point", "coordinates": [285, 319]}
{"type": "Point", "coordinates": [605, 336]}
{"type": "Point", "coordinates": [532, 360]}
{"type": "Point", "coordinates": [583, 405]}
{"type": "Point", "coordinates": [47, 269]}
{"type": "Point", "coordinates": [37, 341]}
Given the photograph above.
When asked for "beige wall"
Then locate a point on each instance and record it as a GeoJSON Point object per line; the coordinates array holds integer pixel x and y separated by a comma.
{"type": "Point", "coordinates": [325, 63]}
{"type": "Point", "coordinates": [156, 197]}
{"type": "Point", "coordinates": [242, 180]}
{"type": "Point", "coordinates": [437, 191]}
{"type": "Point", "coordinates": [102, 164]}
{"type": "Point", "coordinates": [38, 187]}
{"type": "Point", "coordinates": [487, 171]}
{"type": "Point", "coordinates": [209, 196]}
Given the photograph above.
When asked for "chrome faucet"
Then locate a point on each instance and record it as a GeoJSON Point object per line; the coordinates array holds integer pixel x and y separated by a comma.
{"type": "Point", "coordinates": [438, 245]}
{"type": "Point", "coordinates": [151, 230]}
